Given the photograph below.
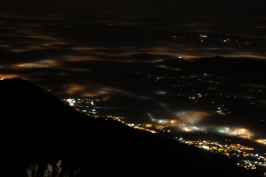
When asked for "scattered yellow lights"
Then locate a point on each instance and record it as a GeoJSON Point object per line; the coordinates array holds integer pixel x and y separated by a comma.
{"type": "Point", "coordinates": [241, 147]}
{"type": "Point", "coordinates": [245, 136]}
{"type": "Point", "coordinates": [231, 150]}
{"type": "Point", "coordinates": [261, 141]}
{"type": "Point", "coordinates": [160, 127]}
{"type": "Point", "coordinates": [149, 125]}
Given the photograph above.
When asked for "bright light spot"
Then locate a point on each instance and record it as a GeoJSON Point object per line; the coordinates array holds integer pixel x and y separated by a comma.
{"type": "Point", "coordinates": [206, 147]}
{"type": "Point", "coordinates": [71, 101]}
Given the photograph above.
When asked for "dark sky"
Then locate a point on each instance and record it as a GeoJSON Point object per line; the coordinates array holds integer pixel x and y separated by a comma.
{"type": "Point", "coordinates": [94, 48]}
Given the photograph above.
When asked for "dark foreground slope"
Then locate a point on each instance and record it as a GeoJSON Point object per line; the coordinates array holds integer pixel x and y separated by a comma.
{"type": "Point", "coordinates": [36, 127]}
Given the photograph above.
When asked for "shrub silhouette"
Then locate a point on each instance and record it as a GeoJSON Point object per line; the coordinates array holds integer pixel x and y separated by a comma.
{"type": "Point", "coordinates": [51, 171]}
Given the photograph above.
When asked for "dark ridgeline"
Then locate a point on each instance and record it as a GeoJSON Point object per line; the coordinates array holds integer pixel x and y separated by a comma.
{"type": "Point", "coordinates": [36, 127]}
{"type": "Point", "coordinates": [242, 70]}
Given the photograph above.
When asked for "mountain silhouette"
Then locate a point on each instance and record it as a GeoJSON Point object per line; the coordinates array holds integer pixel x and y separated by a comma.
{"type": "Point", "coordinates": [37, 127]}
{"type": "Point", "coordinates": [241, 69]}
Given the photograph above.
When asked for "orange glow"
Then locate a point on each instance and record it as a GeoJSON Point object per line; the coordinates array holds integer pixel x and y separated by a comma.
{"type": "Point", "coordinates": [149, 125]}
{"type": "Point", "coordinates": [39, 64]}
{"type": "Point", "coordinates": [173, 121]}
{"type": "Point", "coordinates": [193, 116]}
{"type": "Point", "coordinates": [9, 76]}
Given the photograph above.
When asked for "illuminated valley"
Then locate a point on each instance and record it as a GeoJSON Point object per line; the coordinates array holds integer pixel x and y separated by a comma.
{"type": "Point", "coordinates": [192, 72]}
{"type": "Point", "coordinates": [247, 156]}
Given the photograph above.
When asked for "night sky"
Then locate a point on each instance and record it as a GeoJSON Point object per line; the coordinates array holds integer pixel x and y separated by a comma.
{"type": "Point", "coordinates": [107, 48]}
